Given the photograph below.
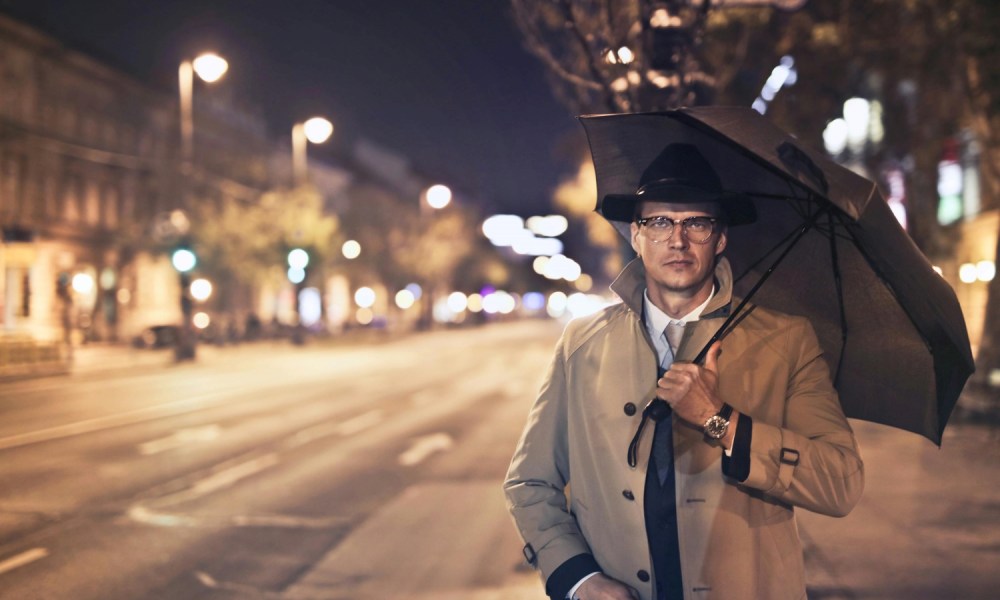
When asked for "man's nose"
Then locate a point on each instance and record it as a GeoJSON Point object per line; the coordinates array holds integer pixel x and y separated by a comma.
{"type": "Point", "coordinates": [677, 238]}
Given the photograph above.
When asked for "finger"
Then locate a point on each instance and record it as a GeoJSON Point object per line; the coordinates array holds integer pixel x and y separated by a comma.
{"type": "Point", "coordinates": [712, 358]}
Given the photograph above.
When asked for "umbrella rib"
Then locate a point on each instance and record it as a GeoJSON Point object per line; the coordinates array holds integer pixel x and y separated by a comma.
{"type": "Point", "coordinates": [839, 284]}
{"type": "Point", "coordinates": [799, 205]}
{"type": "Point", "coordinates": [725, 329]}
{"type": "Point", "coordinates": [784, 241]}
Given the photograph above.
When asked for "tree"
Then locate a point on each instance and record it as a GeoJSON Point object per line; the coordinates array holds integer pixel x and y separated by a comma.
{"type": "Point", "coordinates": [930, 63]}
{"type": "Point", "coordinates": [246, 243]}
{"type": "Point", "coordinates": [623, 56]}
{"type": "Point", "coordinates": [618, 55]}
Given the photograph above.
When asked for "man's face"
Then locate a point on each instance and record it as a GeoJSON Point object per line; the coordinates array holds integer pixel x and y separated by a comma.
{"type": "Point", "coordinates": [677, 264]}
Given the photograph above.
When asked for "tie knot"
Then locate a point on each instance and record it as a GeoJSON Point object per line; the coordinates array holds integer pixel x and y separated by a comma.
{"type": "Point", "coordinates": [674, 333]}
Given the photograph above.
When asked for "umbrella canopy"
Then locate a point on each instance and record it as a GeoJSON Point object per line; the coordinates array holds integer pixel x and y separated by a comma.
{"type": "Point", "coordinates": [890, 326]}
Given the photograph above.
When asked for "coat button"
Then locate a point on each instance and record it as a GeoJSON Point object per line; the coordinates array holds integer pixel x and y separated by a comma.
{"type": "Point", "coordinates": [628, 494]}
{"type": "Point", "coordinates": [643, 576]}
{"type": "Point", "coordinates": [629, 409]}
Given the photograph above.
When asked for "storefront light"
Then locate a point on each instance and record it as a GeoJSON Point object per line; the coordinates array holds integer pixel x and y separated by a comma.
{"type": "Point", "coordinates": [83, 283]}
{"type": "Point", "coordinates": [967, 273]}
{"type": "Point", "coordinates": [986, 270]}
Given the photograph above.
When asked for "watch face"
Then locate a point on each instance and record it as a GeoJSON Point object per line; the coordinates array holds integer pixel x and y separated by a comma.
{"type": "Point", "coordinates": [715, 427]}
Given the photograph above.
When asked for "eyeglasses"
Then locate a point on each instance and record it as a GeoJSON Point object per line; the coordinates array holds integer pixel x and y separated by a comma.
{"type": "Point", "coordinates": [696, 229]}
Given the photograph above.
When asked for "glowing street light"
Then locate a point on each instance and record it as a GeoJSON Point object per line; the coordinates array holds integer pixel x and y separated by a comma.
{"type": "Point", "coordinates": [316, 130]}
{"type": "Point", "coordinates": [209, 68]}
{"type": "Point", "coordinates": [351, 249]}
{"type": "Point", "coordinates": [183, 260]}
{"type": "Point", "coordinates": [201, 289]}
{"type": "Point", "coordinates": [438, 196]}
{"type": "Point", "coordinates": [364, 297]}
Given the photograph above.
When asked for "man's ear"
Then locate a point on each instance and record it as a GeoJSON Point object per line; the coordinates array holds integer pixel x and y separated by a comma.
{"type": "Point", "coordinates": [634, 229]}
{"type": "Point", "coordinates": [720, 244]}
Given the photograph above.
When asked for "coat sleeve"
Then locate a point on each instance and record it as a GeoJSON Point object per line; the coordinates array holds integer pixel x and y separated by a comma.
{"type": "Point", "coordinates": [536, 481]}
{"type": "Point", "coordinates": [812, 458]}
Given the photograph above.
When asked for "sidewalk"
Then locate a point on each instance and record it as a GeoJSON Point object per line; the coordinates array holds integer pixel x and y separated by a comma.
{"type": "Point", "coordinates": [107, 357]}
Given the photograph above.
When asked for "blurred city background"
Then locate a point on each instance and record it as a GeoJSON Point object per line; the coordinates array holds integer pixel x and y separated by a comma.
{"type": "Point", "coordinates": [278, 283]}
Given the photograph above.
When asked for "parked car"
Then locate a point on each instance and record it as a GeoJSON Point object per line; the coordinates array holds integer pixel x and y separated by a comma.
{"type": "Point", "coordinates": [157, 336]}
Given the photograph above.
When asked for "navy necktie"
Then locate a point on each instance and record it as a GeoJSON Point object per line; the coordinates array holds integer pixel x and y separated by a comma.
{"type": "Point", "coordinates": [663, 439]}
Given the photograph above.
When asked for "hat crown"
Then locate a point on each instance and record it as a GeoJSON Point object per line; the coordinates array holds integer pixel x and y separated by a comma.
{"type": "Point", "coordinates": [679, 165]}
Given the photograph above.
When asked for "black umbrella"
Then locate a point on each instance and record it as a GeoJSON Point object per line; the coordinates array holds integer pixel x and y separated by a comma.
{"type": "Point", "coordinates": [890, 326]}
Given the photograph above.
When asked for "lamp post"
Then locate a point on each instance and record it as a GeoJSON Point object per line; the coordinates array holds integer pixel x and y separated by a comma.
{"type": "Point", "coordinates": [209, 67]}
{"type": "Point", "coordinates": [316, 130]}
{"type": "Point", "coordinates": [434, 198]}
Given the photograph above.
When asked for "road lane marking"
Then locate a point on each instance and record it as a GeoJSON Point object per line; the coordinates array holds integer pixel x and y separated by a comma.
{"type": "Point", "coordinates": [360, 423]}
{"type": "Point", "coordinates": [108, 421]}
{"type": "Point", "coordinates": [150, 516]}
{"type": "Point", "coordinates": [180, 438]}
{"type": "Point", "coordinates": [425, 446]}
{"type": "Point", "coordinates": [229, 476]}
{"type": "Point", "coordinates": [22, 559]}
{"type": "Point", "coordinates": [244, 590]}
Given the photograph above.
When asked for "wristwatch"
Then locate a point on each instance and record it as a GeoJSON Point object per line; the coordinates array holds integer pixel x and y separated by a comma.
{"type": "Point", "coordinates": [718, 424]}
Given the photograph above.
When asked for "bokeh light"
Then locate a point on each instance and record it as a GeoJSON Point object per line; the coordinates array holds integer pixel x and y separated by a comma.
{"type": "Point", "coordinates": [82, 283]}
{"type": "Point", "coordinates": [183, 260]}
{"type": "Point", "coordinates": [405, 299]}
{"type": "Point", "coordinates": [457, 302]}
{"type": "Point", "coordinates": [317, 130]}
{"type": "Point", "coordinates": [201, 289]}
{"type": "Point", "coordinates": [210, 67]}
{"type": "Point", "coordinates": [475, 303]}
{"type": "Point", "coordinates": [364, 316]}
{"type": "Point", "coordinates": [364, 297]}
{"type": "Point", "coordinates": [351, 249]}
{"type": "Point", "coordinates": [438, 196]}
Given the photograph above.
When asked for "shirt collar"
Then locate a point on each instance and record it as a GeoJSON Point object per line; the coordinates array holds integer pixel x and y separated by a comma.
{"type": "Point", "coordinates": [657, 320]}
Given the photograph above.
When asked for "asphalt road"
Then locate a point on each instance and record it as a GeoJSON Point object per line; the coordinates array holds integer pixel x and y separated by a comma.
{"type": "Point", "coordinates": [368, 471]}
{"type": "Point", "coordinates": [373, 470]}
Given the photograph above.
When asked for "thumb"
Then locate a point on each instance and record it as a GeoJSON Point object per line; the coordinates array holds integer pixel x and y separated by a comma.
{"type": "Point", "coordinates": [712, 358]}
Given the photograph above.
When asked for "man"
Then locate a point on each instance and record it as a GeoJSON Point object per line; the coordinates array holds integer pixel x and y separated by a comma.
{"type": "Point", "coordinates": [704, 506]}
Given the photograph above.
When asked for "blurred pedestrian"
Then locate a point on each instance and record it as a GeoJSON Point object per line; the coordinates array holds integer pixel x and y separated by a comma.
{"type": "Point", "coordinates": [702, 505]}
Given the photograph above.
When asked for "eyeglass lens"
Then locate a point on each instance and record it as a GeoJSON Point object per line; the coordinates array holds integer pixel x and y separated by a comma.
{"type": "Point", "coordinates": [695, 229]}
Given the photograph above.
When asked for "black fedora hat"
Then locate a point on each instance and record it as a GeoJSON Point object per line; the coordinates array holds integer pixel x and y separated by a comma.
{"type": "Point", "coordinates": [680, 173]}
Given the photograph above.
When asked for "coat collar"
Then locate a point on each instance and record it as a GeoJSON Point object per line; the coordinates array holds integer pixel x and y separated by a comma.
{"type": "Point", "coordinates": [631, 283]}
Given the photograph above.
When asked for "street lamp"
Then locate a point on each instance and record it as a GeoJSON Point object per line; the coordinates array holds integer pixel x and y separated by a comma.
{"type": "Point", "coordinates": [351, 249]}
{"type": "Point", "coordinates": [209, 67]}
{"type": "Point", "coordinates": [438, 196]}
{"type": "Point", "coordinates": [316, 130]}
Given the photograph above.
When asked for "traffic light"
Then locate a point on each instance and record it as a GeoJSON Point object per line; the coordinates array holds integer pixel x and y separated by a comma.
{"type": "Point", "coordinates": [184, 260]}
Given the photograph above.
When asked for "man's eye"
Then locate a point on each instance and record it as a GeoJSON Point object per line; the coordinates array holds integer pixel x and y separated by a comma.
{"type": "Point", "coordinates": [660, 223]}
{"type": "Point", "coordinates": [698, 225]}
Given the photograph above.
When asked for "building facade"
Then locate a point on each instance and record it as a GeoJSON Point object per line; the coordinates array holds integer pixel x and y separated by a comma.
{"type": "Point", "coordinates": [90, 185]}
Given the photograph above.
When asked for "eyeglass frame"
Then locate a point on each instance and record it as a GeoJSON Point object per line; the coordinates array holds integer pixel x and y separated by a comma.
{"type": "Point", "coordinates": [643, 221]}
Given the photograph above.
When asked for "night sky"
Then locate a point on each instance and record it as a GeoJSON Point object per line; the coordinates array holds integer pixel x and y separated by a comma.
{"type": "Point", "coordinates": [446, 83]}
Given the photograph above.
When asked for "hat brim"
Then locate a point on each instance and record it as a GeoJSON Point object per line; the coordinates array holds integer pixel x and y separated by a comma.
{"type": "Point", "coordinates": [739, 209]}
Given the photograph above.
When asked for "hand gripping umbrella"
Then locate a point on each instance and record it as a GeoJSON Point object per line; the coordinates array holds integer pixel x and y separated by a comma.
{"type": "Point", "coordinates": [825, 246]}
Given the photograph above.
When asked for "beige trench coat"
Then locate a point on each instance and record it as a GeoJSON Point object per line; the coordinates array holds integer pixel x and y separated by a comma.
{"type": "Point", "coordinates": [737, 540]}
